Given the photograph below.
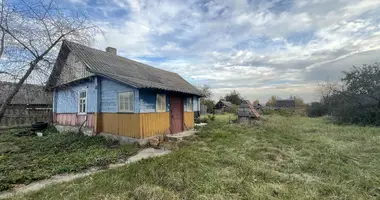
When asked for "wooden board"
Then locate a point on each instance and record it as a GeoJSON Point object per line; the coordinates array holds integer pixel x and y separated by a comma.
{"type": "Point", "coordinates": [189, 120]}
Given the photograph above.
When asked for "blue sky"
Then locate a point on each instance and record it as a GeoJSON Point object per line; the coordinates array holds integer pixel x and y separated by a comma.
{"type": "Point", "coordinates": [260, 48]}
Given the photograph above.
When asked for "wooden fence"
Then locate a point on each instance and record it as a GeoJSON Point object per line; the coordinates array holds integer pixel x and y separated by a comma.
{"type": "Point", "coordinates": [19, 116]}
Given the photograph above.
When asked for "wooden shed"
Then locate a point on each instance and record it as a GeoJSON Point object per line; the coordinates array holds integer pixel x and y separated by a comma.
{"type": "Point", "coordinates": [246, 112]}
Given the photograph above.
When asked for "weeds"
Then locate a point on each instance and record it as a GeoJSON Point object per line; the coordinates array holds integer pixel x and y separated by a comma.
{"type": "Point", "coordinates": [279, 158]}
{"type": "Point", "coordinates": [30, 158]}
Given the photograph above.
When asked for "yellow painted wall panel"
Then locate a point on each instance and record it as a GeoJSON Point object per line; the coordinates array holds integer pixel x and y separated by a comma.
{"type": "Point", "coordinates": [154, 124]}
{"type": "Point", "coordinates": [141, 125]}
{"type": "Point", "coordinates": [188, 120]}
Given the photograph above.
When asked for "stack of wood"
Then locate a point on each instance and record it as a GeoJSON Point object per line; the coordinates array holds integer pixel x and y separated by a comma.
{"type": "Point", "coordinates": [247, 113]}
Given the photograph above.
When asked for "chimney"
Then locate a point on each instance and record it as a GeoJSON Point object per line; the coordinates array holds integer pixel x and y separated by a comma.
{"type": "Point", "coordinates": [111, 50]}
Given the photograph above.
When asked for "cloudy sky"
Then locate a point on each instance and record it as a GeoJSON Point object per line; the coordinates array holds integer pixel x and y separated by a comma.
{"type": "Point", "coordinates": [259, 48]}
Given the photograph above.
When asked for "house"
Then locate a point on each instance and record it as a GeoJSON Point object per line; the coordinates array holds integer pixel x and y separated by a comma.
{"type": "Point", "coordinates": [115, 96]}
{"type": "Point", "coordinates": [224, 106]}
{"type": "Point", "coordinates": [31, 103]}
{"type": "Point", "coordinates": [285, 103]}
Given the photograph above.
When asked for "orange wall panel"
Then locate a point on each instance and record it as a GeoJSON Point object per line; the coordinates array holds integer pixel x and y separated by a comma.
{"type": "Point", "coordinates": [154, 124]}
{"type": "Point", "coordinates": [188, 120]}
{"type": "Point", "coordinates": [139, 125]}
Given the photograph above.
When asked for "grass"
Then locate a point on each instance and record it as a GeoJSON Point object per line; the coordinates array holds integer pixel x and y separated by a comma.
{"type": "Point", "coordinates": [30, 158]}
{"type": "Point", "coordinates": [277, 158]}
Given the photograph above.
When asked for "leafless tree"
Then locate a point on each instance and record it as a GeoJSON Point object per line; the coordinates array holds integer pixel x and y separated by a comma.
{"type": "Point", "coordinates": [31, 34]}
{"type": "Point", "coordinates": [326, 89]}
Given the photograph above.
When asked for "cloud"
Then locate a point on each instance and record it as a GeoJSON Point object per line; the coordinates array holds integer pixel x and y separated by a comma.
{"type": "Point", "coordinates": [260, 48]}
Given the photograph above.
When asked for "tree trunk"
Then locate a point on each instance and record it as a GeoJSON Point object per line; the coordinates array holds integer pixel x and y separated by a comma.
{"type": "Point", "coordinates": [14, 91]}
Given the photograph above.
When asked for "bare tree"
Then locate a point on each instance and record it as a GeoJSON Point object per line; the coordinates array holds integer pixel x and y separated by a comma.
{"type": "Point", "coordinates": [31, 33]}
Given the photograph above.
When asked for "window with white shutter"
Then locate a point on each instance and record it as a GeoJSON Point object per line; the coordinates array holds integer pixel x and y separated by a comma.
{"type": "Point", "coordinates": [82, 102]}
{"type": "Point", "coordinates": [189, 104]}
{"type": "Point", "coordinates": [126, 102]}
{"type": "Point", "coordinates": [161, 103]}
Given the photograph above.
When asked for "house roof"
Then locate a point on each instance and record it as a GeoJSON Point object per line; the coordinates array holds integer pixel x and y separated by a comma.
{"type": "Point", "coordinates": [127, 71]}
{"type": "Point", "coordinates": [227, 103]}
{"type": "Point", "coordinates": [28, 94]}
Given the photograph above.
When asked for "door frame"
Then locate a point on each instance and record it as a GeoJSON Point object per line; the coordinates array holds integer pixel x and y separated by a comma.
{"type": "Point", "coordinates": [182, 110]}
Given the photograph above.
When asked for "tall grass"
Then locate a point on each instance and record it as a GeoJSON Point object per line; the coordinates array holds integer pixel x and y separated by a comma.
{"type": "Point", "coordinates": [277, 158]}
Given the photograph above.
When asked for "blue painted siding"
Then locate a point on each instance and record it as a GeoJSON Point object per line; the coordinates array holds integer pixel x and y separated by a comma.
{"type": "Point", "coordinates": [109, 95]}
{"type": "Point", "coordinates": [66, 99]}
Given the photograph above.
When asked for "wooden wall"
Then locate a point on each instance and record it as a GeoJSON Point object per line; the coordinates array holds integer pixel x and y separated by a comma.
{"type": "Point", "coordinates": [21, 115]}
{"type": "Point", "coordinates": [188, 119]}
{"type": "Point", "coordinates": [152, 124]}
{"type": "Point", "coordinates": [70, 119]}
{"type": "Point", "coordinates": [123, 124]}
{"type": "Point", "coordinates": [139, 125]}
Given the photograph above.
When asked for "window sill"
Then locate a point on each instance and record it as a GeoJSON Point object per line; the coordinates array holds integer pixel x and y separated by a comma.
{"type": "Point", "coordinates": [81, 113]}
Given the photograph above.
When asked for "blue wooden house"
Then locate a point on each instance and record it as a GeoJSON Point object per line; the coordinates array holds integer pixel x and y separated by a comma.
{"type": "Point", "coordinates": [115, 95]}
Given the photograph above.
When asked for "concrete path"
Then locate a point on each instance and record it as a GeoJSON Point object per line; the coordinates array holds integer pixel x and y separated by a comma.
{"type": "Point", "coordinates": [180, 136]}
{"type": "Point", "coordinates": [35, 186]}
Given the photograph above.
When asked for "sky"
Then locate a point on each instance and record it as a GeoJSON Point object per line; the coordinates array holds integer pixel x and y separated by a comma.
{"type": "Point", "coordinates": [258, 47]}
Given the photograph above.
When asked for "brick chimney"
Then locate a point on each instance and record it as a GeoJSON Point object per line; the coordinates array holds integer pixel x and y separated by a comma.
{"type": "Point", "coordinates": [111, 50]}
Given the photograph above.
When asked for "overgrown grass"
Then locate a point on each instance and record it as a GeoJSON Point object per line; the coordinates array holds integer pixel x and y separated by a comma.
{"type": "Point", "coordinates": [277, 158]}
{"type": "Point", "coordinates": [30, 158]}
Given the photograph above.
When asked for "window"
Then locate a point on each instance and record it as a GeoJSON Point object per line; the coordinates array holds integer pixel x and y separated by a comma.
{"type": "Point", "coordinates": [126, 102]}
{"type": "Point", "coordinates": [82, 103]}
{"type": "Point", "coordinates": [161, 103]}
{"type": "Point", "coordinates": [189, 104]}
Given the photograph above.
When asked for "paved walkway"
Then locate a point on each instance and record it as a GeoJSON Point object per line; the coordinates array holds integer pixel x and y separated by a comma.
{"type": "Point", "coordinates": [35, 186]}
{"type": "Point", "coordinates": [180, 136]}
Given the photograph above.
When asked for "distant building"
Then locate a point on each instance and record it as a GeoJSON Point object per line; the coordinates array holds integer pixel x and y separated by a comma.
{"type": "Point", "coordinates": [285, 103]}
{"type": "Point", "coordinates": [224, 106]}
{"type": "Point", "coordinates": [29, 96]}
{"type": "Point", "coordinates": [32, 103]}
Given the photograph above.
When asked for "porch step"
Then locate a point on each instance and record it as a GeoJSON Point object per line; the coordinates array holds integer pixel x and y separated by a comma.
{"type": "Point", "coordinates": [180, 136]}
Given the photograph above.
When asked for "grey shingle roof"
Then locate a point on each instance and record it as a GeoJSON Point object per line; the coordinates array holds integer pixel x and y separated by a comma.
{"type": "Point", "coordinates": [28, 94]}
{"type": "Point", "coordinates": [130, 72]}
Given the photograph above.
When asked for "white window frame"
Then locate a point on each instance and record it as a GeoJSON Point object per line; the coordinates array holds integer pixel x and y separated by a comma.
{"type": "Point", "coordinates": [128, 94]}
{"type": "Point", "coordinates": [189, 108]}
{"type": "Point", "coordinates": [161, 108]}
{"type": "Point", "coordinates": [85, 102]}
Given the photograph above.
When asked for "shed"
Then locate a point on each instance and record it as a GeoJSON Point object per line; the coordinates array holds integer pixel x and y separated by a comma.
{"type": "Point", "coordinates": [31, 103]}
{"type": "Point", "coordinates": [116, 96]}
{"type": "Point", "coordinates": [246, 112]}
{"type": "Point", "coordinates": [224, 106]}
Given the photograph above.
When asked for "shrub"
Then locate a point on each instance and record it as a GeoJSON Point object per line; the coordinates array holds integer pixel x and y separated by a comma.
{"type": "Point", "coordinates": [211, 117]}
{"type": "Point", "coordinates": [317, 110]}
{"type": "Point", "coordinates": [286, 112]}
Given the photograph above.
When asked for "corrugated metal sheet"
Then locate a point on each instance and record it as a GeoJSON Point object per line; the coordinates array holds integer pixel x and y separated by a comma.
{"type": "Point", "coordinates": [127, 71]}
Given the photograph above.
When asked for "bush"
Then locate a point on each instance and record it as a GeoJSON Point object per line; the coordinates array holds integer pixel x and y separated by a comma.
{"type": "Point", "coordinates": [317, 110]}
{"type": "Point", "coordinates": [211, 117]}
{"type": "Point", "coordinates": [286, 112]}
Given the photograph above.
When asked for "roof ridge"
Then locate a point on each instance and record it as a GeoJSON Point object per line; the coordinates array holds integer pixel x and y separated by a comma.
{"type": "Point", "coordinates": [118, 56]}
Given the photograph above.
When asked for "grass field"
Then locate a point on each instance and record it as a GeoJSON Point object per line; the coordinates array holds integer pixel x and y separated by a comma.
{"type": "Point", "coordinates": [30, 158]}
{"type": "Point", "coordinates": [277, 158]}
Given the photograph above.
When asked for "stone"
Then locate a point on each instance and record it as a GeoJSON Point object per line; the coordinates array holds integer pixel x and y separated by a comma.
{"type": "Point", "coordinates": [154, 142]}
{"type": "Point", "coordinates": [39, 134]}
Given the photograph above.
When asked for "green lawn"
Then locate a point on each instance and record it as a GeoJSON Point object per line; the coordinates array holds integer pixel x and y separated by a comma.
{"type": "Point", "coordinates": [30, 158]}
{"type": "Point", "coordinates": [277, 158]}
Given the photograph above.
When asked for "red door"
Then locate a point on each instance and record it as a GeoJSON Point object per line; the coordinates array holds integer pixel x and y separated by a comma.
{"type": "Point", "coordinates": [176, 114]}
